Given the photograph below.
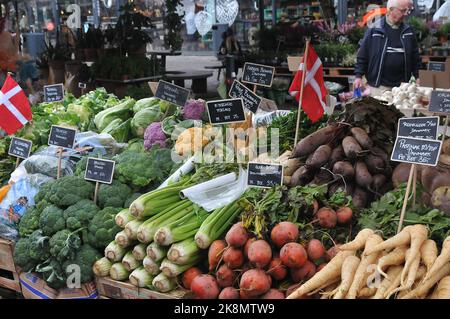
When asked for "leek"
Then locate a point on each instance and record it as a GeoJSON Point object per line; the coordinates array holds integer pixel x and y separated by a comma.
{"type": "Point", "coordinates": [181, 229]}
{"type": "Point", "coordinates": [140, 251]}
{"type": "Point", "coordinates": [147, 230]}
{"type": "Point", "coordinates": [162, 283]}
{"type": "Point", "coordinates": [156, 252]}
{"type": "Point", "coordinates": [102, 267]}
{"type": "Point", "coordinates": [172, 270]}
{"type": "Point", "coordinates": [132, 227]}
{"type": "Point", "coordinates": [129, 262]}
{"type": "Point", "coordinates": [216, 224]}
{"type": "Point", "coordinates": [182, 253]}
{"type": "Point", "coordinates": [122, 239]}
{"type": "Point", "coordinates": [114, 252]}
{"type": "Point", "coordinates": [119, 272]}
{"type": "Point", "coordinates": [140, 278]}
{"type": "Point", "coordinates": [123, 218]}
{"type": "Point", "coordinates": [151, 266]}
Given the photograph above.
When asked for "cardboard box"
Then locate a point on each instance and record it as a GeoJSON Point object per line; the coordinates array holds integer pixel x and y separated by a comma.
{"type": "Point", "coordinates": [87, 291]}
{"type": "Point", "coordinates": [440, 79]}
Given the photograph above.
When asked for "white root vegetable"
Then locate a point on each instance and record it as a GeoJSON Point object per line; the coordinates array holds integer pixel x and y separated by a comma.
{"type": "Point", "coordinates": [347, 274]}
{"type": "Point", "coordinates": [443, 289]}
{"type": "Point", "coordinates": [419, 234]}
{"type": "Point", "coordinates": [427, 284]}
{"type": "Point", "coordinates": [402, 238]}
{"type": "Point", "coordinates": [394, 258]}
{"type": "Point", "coordinates": [441, 260]}
{"type": "Point", "coordinates": [414, 266]}
{"type": "Point", "coordinates": [429, 253]}
{"type": "Point", "coordinates": [359, 241]}
{"type": "Point", "coordinates": [392, 273]}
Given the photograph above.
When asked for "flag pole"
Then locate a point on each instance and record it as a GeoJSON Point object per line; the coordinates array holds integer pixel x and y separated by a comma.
{"type": "Point", "coordinates": [305, 59]}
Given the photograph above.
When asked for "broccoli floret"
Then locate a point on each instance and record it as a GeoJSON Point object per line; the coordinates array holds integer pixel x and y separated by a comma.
{"type": "Point", "coordinates": [102, 228]}
{"type": "Point", "coordinates": [29, 221]}
{"type": "Point", "coordinates": [113, 195]}
{"type": "Point", "coordinates": [51, 220]}
{"type": "Point", "coordinates": [44, 192]}
{"type": "Point", "coordinates": [81, 166]}
{"type": "Point", "coordinates": [85, 259]}
{"type": "Point", "coordinates": [69, 190]}
{"type": "Point", "coordinates": [22, 256]}
{"type": "Point", "coordinates": [64, 245]}
{"type": "Point", "coordinates": [53, 273]}
{"type": "Point", "coordinates": [39, 248]}
{"type": "Point", "coordinates": [80, 214]}
{"type": "Point", "coordinates": [131, 199]}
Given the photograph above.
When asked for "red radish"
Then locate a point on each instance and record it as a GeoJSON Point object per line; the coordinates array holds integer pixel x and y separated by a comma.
{"type": "Point", "coordinates": [293, 255]}
{"type": "Point", "coordinates": [225, 276]}
{"type": "Point", "coordinates": [205, 287]}
{"type": "Point", "coordinates": [315, 249]}
{"type": "Point", "coordinates": [233, 257]}
{"type": "Point", "coordinates": [273, 294]}
{"type": "Point", "coordinates": [229, 293]}
{"type": "Point", "coordinates": [344, 215]}
{"type": "Point", "coordinates": [259, 253]}
{"type": "Point", "coordinates": [189, 275]}
{"type": "Point", "coordinates": [215, 253]}
{"type": "Point", "coordinates": [304, 273]}
{"type": "Point", "coordinates": [276, 269]}
{"type": "Point", "coordinates": [327, 217]}
{"type": "Point", "coordinates": [255, 282]}
{"type": "Point", "coordinates": [283, 233]}
{"type": "Point", "coordinates": [247, 245]}
{"type": "Point", "coordinates": [319, 268]}
{"type": "Point", "coordinates": [332, 252]}
{"type": "Point", "coordinates": [237, 236]}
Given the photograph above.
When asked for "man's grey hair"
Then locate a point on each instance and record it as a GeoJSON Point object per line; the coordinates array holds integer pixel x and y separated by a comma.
{"type": "Point", "coordinates": [394, 3]}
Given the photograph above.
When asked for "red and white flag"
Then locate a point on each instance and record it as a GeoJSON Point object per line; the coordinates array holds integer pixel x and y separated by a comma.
{"type": "Point", "coordinates": [15, 110]}
{"type": "Point", "coordinates": [314, 92]}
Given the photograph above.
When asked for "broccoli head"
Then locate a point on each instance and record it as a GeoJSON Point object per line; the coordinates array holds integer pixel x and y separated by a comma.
{"type": "Point", "coordinates": [64, 245]}
{"type": "Point", "coordinates": [39, 247]}
{"type": "Point", "coordinates": [29, 221]}
{"type": "Point", "coordinates": [102, 228]}
{"type": "Point", "coordinates": [51, 220]}
{"type": "Point", "coordinates": [22, 256]}
{"type": "Point", "coordinates": [69, 190]}
{"type": "Point", "coordinates": [53, 274]}
{"type": "Point", "coordinates": [113, 195]}
{"type": "Point", "coordinates": [81, 166]}
{"type": "Point", "coordinates": [85, 259]}
{"type": "Point", "coordinates": [44, 192]}
{"type": "Point", "coordinates": [80, 214]}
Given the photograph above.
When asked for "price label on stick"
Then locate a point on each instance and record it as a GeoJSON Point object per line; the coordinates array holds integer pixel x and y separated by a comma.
{"type": "Point", "coordinates": [20, 148]}
{"type": "Point", "coordinates": [416, 151]}
{"type": "Point", "coordinates": [250, 99]}
{"type": "Point", "coordinates": [226, 111]}
{"type": "Point", "coordinates": [440, 102]}
{"type": "Point", "coordinates": [172, 93]}
{"type": "Point", "coordinates": [264, 175]}
{"type": "Point", "coordinates": [436, 66]}
{"type": "Point", "coordinates": [62, 136]}
{"type": "Point", "coordinates": [419, 127]}
{"type": "Point", "coordinates": [54, 93]}
{"type": "Point", "coordinates": [258, 74]}
{"type": "Point", "coordinates": [99, 170]}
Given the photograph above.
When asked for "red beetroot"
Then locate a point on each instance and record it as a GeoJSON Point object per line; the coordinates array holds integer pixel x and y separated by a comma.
{"type": "Point", "coordinates": [283, 233]}
{"type": "Point", "coordinates": [332, 252]}
{"type": "Point", "coordinates": [304, 273]}
{"type": "Point", "coordinates": [273, 294]}
{"type": "Point", "coordinates": [293, 255]}
{"type": "Point", "coordinates": [276, 269]}
{"type": "Point", "coordinates": [205, 287]}
{"type": "Point", "coordinates": [327, 217]}
{"type": "Point", "coordinates": [189, 275]}
{"type": "Point", "coordinates": [215, 253]}
{"type": "Point", "coordinates": [344, 215]}
{"type": "Point", "coordinates": [237, 236]}
{"type": "Point", "coordinates": [315, 249]}
{"type": "Point", "coordinates": [247, 246]}
{"type": "Point", "coordinates": [254, 283]}
{"type": "Point", "coordinates": [259, 253]}
{"type": "Point", "coordinates": [233, 257]}
{"type": "Point", "coordinates": [229, 293]}
{"type": "Point", "coordinates": [225, 276]}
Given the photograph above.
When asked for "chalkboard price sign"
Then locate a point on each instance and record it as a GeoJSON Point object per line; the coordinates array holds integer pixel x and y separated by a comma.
{"type": "Point", "coordinates": [416, 151]}
{"type": "Point", "coordinates": [54, 93]}
{"type": "Point", "coordinates": [172, 93]}
{"type": "Point", "coordinates": [250, 99]}
{"type": "Point", "coordinates": [440, 102]}
{"type": "Point", "coordinates": [419, 127]}
{"type": "Point", "coordinates": [99, 170]}
{"type": "Point", "coordinates": [20, 148]}
{"type": "Point", "coordinates": [258, 74]}
{"type": "Point", "coordinates": [62, 136]}
{"type": "Point", "coordinates": [226, 111]}
{"type": "Point", "coordinates": [436, 66]}
{"type": "Point", "coordinates": [264, 175]}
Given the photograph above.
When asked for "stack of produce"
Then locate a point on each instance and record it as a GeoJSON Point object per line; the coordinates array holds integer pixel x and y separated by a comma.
{"type": "Point", "coordinates": [404, 266]}
{"type": "Point", "coordinates": [407, 96]}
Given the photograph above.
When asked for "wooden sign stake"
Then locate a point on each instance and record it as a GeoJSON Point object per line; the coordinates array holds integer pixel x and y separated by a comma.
{"type": "Point", "coordinates": [305, 59]}
{"type": "Point", "coordinates": [414, 187]}
{"type": "Point", "coordinates": [255, 87]}
{"type": "Point", "coordinates": [17, 161]}
{"type": "Point", "coordinates": [60, 150]}
{"type": "Point", "coordinates": [405, 201]}
{"type": "Point", "coordinates": [97, 184]}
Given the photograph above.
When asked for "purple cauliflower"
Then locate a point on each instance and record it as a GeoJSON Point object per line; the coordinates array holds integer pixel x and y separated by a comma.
{"type": "Point", "coordinates": [154, 135]}
{"type": "Point", "coordinates": [193, 109]}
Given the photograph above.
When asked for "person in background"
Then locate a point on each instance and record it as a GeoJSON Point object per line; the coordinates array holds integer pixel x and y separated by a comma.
{"type": "Point", "coordinates": [230, 45]}
{"type": "Point", "coordinates": [389, 53]}
{"type": "Point", "coordinates": [9, 52]}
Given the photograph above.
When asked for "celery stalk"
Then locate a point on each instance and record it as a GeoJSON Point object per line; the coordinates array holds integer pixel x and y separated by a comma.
{"type": "Point", "coordinates": [156, 252]}
{"type": "Point", "coordinates": [129, 262]}
{"type": "Point", "coordinates": [123, 217]}
{"type": "Point", "coordinates": [140, 278]}
{"type": "Point", "coordinates": [119, 272]}
{"type": "Point", "coordinates": [181, 253]}
{"type": "Point", "coordinates": [140, 251]}
{"type": "Point", "coordinates": [172, 270]}
{"type": "Point", "coordinates": [102, 267]}
{"type": "Point", "coordinates": [162, 283]}
{"type": "Point", "coordinates": [132, 227]}
{"type": "Point", "coordinates": [151, 266]}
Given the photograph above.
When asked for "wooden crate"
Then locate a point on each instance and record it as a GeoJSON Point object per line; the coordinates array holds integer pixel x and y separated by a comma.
{"type": "Point", "coordinates": [11, 278]}
{"type": "Point", "coordinates": [113, 289]}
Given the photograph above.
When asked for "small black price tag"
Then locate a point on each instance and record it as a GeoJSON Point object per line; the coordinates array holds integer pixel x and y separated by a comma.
{"type": "Point", "coordinates": [62, 136]}
{"type": "Point", "coordinates": [99, 170]}
{"type": "Point", "coordinates": [419, 127]}
{"type": "Point", "coordinates": [82, 85]}
{"type": "Point", "coordinates": [20, 148]}
{"type": "Point", "coordinates": [416, 151]}
{"type": "Point", "coordinates": [436, 66]}
{"type": "Point", "coordinates": [226, 111]}
{"type": "Point", "coordinates": [172, 93]}
{"type": "Point", "coordinates": [440, 102]}
{"type": "Point", "coordinates": [54, 93]}
{"type": "Point", "coordinates": [258, 74]}
{"type": "Point", "coordinates": [264, 175]}
{"type": "Point", "coordinates": [250, 99]}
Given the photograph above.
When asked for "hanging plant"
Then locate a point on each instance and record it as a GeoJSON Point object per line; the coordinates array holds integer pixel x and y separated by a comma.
{"type": "Point", "coordinates": [172, 20]}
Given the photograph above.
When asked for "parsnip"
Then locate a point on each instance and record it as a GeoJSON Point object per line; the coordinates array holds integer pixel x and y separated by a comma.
{"type": "Point", "coordinates": [429, 253]}
{"type": "Point", "coordinates": [419, 234]}
{"type": "Point", "coordinates": [427, 284]}
{"type": "Point", "coordinates": [392, 273]}
{"type": "Point", "coordinates": [394, 258]}
{"type": "Point", "coordinates": [359, 241]}
{"type": "Point", "coordinates": [402, 238]}
{"type": "Point", "coordinates": [441, 260]}
{"type": "Point", "coordinates": [347, 274]}
{"type": "Point", "coordinates": [443, 289]}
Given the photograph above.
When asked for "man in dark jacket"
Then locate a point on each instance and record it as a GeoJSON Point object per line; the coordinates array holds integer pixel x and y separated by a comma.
{"type": "Point", "coordinates": [389, 53]}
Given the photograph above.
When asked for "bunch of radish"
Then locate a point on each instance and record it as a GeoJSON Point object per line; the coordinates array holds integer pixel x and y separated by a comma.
{"type": "Point", "coordinates": [244, 267]}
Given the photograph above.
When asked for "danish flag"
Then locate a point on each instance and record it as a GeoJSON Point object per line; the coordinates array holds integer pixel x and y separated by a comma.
{"type": "Point", "coordinates": [15, 110]}
{"type": "Point", "coordinates": [314, 91]}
